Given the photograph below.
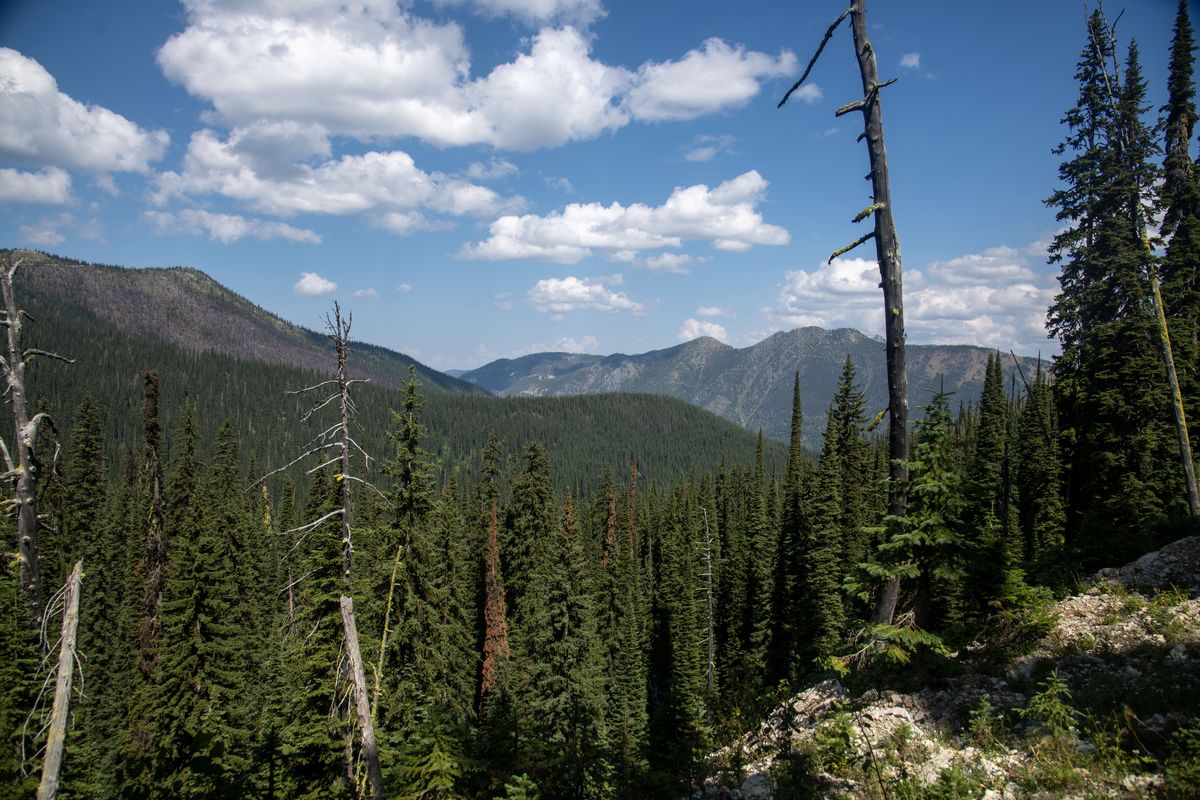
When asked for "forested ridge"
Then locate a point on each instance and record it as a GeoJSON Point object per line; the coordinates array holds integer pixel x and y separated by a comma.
{"type": "Point", "coordinates": [545, 609]}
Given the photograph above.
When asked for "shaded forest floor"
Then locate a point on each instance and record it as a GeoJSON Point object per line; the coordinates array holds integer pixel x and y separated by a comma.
{"type": "Point", "coordinates": [1096, 695]}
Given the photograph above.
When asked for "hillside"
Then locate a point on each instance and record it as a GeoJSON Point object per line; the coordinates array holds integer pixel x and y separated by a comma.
{"type": "Point", "coordinates": [584, 435]}
{"type": "Point", "coordinates": [1096, 695]}
{"type": "Point", "coordinates": [750, 386]}
{"type": "Point", "coordinates": [187, 308]}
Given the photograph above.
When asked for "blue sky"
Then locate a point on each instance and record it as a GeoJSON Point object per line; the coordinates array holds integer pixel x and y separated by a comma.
{"type": "Point", "coordinates": [479, 179]}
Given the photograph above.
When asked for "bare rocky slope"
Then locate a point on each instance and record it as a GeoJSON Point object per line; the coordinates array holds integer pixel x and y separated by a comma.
{"type": "Point", "coordinates": [1095, 705]}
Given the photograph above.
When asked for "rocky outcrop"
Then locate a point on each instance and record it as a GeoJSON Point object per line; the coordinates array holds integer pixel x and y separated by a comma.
{"type": "Point", "coordinates": [1133, 634]}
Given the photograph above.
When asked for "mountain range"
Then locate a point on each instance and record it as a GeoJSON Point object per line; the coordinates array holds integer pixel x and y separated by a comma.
{"type": "Point", "coordinates": [752, 386]}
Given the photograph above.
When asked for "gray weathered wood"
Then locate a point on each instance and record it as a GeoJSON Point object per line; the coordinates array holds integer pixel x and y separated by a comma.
{"type": "Point", "coordinates": [370, 751]}
{"type": "Point", "coordinates": [52, 764]}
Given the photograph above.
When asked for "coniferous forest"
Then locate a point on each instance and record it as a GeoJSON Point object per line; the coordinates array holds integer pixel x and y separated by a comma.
{"type": "Point", "coordinates": [526, 628]}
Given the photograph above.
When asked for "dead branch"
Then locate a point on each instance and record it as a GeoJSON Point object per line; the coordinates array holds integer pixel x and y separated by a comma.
{"type": "Point", "coordinates": [813, 61]}
{"type": "Point", "coordinates": [864, 238]}
{"type": "Point", "coordinates": [30, 352]}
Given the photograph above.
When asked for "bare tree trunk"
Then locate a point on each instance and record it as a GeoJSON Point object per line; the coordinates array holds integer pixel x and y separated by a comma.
{"type": "Point", "coordinates": [52, 765]}
{"type": "Point", "coordinates": [341, 335]}
{"type": "Point", "coordinates": [887, 248]}
{"type": "Point", "coordinates": [370, 750]}
{"type": "Point", "coordinates": [26, 471]}
{"type": "Point", "coordinates": [1181, 428]}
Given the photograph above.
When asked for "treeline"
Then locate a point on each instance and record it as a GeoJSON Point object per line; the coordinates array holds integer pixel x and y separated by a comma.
{"type": "Point", "coordinates": [592, 642]}
{"type": "Point", "coordinates": [585, 435]}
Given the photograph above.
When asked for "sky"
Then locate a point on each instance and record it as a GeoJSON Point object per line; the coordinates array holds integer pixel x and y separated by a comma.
{"type": "Point", "coordinates": [481, 179]}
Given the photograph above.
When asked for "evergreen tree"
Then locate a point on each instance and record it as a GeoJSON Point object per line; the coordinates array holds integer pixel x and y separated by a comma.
{"type": "Point", "coordinates": [1180, 199]}
{"type": "Point", "coordinates": [822, 605]}
{"type": "Point", "coordinates": [1109, 375]}
{"type": "Point", "coordinates": [925, 550]}
{"type": "Point", "coordinates": [984, 492]}
{"type": "Point", "coordinates": [315, 736]}
{"type": "Point", "coordinates": [849, 419]}
{"type": "Point", "coordinates": [1039, 483]}
{"type": "Point", "coordinates": [565, 743]}
{"type": "Point", "coordinates": [787, 623]}
{"type": "Point", "coordinates": [201, 731]}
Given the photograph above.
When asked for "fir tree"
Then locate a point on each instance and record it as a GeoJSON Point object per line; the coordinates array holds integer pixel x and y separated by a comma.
{"type": "Point", "coordinates": [787, 624]}
{"type": "Point", "coordinates": [1109, 375]}
{"type": "Point", "coordinates": [1180, 199]}
{"type": "Point", "coordinates": [1039, 483]}
{"type": "Point", "coordinates": [200, 729]}
{"type": "Point", "coordinates": [822, 604]}
{"type": "Point", "coordinates": [565, 739]}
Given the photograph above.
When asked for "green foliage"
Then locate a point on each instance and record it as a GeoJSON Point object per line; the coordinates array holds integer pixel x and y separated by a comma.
{"type": "Point", "coordinates": [1182, 767]}
{"type": "Point", "coordinates": [521, 787]}
{"type": "Point", "coordinates": [1051, 708]}
{"type": "Point", "coordinates": [431, 765]}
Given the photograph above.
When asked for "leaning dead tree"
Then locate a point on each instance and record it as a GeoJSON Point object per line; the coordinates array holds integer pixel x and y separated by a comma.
{"type": "Point", "coordinates": [64, 675]}
{"type": "Point", "coordinates": [1139, 216]}
{"type": "Point", "coordinates": [887, 250]}
{"type": "Point", "coordinates": [336, 446]}
{"type": "Point", "coordinates": [23, 463]}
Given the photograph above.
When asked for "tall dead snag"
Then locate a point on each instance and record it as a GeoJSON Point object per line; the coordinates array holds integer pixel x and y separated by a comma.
{"type": "Point", "coordinates": [26, 470]}
{"type": "Point", "coordinates": [52, 765]}
{"type": "Point", "coordinates": [338, 440]}
{"type": "Point", "coordinates": [887, 250]}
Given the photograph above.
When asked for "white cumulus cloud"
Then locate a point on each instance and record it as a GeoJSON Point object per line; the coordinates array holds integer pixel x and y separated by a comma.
{"type": "Point", "coordinates": [711, 78]}
{"type": "Point", "coordinates": [561, 295]}
{"type": "Point", "coordinates": [41, 125]}
{"type": "Point", "coordinates": [374, 69]}
{"type": "Point", "coordinates": [283, 169]}
{"type": "Point", "coordinates": [50, 186]}
{"type": "Point", "coordinates": [694, 329]}
{"type": "Point", "coordinates": [996, 298]}
{"type": "Point", "coordinates": [713, 311]}
{"type": "Point", "coordinates": [313, 285]}
{"type": "Point", "coordinates": [226, 228]}
{"type": "Point", "coordinates": [911, 60]}
{"type": "Point", "coordinates": [676, 263]}
{"type": "Point", "coordinates": [725, 215]}
{"type": "Point", "coordinates": [366, 294]}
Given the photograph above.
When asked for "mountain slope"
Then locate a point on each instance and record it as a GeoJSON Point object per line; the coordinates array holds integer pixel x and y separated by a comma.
{"type": "Point", "coordinates": [186, 307]}
{"type": "Point", "coordinates": [751, 386]}
{"type": "Point", "coordinates": [583, 435]}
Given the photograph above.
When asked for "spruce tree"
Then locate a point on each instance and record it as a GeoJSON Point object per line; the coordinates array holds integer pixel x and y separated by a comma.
{"type": "Point", "coordinates": [565, 741]}
{"type": "Point", "coordinates": [1180, 199]}
{"type": "Point", "coordinates": [822, 587]}
{"type": "Point", "coordinates": [787, 624]}
{"type": "Point", "coordinates": [315, 736]}
{"type": "Point", "coordinates": [1109, 377]}
{"type": "Point", "coordinates": [849, 419]}
{"type": "Point", "coordinates": [1039, 476]}
{"type": "Point", "coordinates": [201, 731]}
{"type": "Point", "coordinates": [984, 492]}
